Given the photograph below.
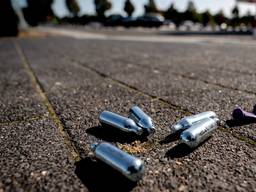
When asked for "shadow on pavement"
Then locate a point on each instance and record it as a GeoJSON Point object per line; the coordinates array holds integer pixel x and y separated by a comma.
{"type": "Point", "coordinates": [97, 176]}
{"type": "Point", "coordinates": [111, 134]}
{"type": "Point", "coordinates": [182, 150]}
{"type": "Point", "coordinates": [170, 138]}
{"type": "Point", "coordinates": [235, 123]}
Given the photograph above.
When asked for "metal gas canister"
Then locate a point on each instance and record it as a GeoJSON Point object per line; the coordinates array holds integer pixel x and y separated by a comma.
{"type": "Point", "coordinates": [130, 166]}
{"type": "Point", "coordinates": [198, 132]}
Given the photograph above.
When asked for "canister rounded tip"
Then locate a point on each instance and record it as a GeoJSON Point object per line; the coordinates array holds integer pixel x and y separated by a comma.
{"type": "Point", "coordinates": [254, 109]}
{"type": "Point", "coordinates": [149, 131]}
{"type": "Point", "coordinates": [136, 171]}
{"type": "Point", "coordinates": [102, 115]}
{"type": "Point", "coordinates": [238, 113]}
{"type": "Point", "coordinates": [186, 137]}
{"type": "Point", "coordinates": [129, 123]}
{"type": "Point", "coordinates": [152, 130]}
{"type": "Point", "coordinates": [176, 127]}
{"type": "Point", "coordinates": [135, 107]}
{"type": "Point", "coordinates": [94, 146]}
{"type": "Point", "coordinates": [216, 119]}
{"type": "Point", "coordinates": [138, 166]}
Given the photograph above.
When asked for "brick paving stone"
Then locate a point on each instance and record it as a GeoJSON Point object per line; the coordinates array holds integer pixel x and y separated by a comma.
{"type": "Point", "coordinates": [34, 158]}
{"type": "Point", "coordinates": [18, 98]}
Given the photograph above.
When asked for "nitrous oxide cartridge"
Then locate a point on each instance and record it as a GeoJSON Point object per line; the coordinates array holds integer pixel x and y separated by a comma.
{"type": "Point", "coordinates": [142, 119]}
{"type": "Point", "coordinates": [198, 132]}
{"type": "Point", "coordinates": [120, 122]}
{"type": "Point", "coordinates": [130, 166]}
{"type": "Point", "coordinates": [188, 121]}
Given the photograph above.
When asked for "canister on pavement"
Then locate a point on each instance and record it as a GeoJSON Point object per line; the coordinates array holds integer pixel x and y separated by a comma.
{"type": "Point", "coordinates": [142, 119]}
{"type": "Point", "coordinates": [188, 121]}
{"type": "Point", "coordinates": [119, 122]}
{"type": "Point", "coordinates": [240, 114]}
{"type": "Point", "coordinates": [198, 132]}
{"type": "Point", "coordinates": [130, 166]}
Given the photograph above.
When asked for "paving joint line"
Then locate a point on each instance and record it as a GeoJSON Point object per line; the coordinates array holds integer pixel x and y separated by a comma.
{"type": "Point", "coordinates": [125, 85]}
{"type": "Point", "coordinates": [218, 68]}
{"type": "Point", "coordinates": [214, 84]}
{"type": "Point", "coordinates": [238, 136]}
{"type": "Point", "coordinates": [234, 71]}
{"type": "Point", "coordinates": [223, 68]}
{"type": "Point", "coordinates": [153, 97]}
{"type": "Point", "coordinates": [183, 110]}
{"type": "Point", "coordinates": [205, 81]}
{"type": "Point", "coordinates": [36, 83]}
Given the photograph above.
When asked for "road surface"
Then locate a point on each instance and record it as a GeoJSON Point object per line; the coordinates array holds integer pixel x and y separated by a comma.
{"type": "Point", "coordinates": [54, 84]}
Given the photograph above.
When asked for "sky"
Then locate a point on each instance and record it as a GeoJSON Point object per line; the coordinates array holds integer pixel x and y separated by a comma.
{"type": "Point", "coordinates": [214, 6]}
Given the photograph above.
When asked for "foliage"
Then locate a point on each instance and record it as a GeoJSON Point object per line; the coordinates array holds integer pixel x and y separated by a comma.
{"type": "Point", "coordinates": [219, 18]}
{"type": "Point", "coordinates": [177, 17]}
{"type": "Point", "coordinates": [235, 17]}
{"type": "Point", "coordinates": [73, 7]}
{"type": "Point", "coordinates": [101, 6]}
{"type": "Point", "coordinates": [191, 13]}
{"type": "Point", "coordinates": [172, 14]}
{"type": "Point", "coordinates": [8, 19]}
{"type": "Point", "coordinates": [38, 11]}
{"type": "Point", "coordinates": [235, 12]}
{"type": "Point", "coordinates": [129, 8]}
{"type": "Point", "coordinates": [206, 18]}
{"type": "Point", "coordinates": [151, 7]}
{"type": "Point", "coordinates": [248, 20]}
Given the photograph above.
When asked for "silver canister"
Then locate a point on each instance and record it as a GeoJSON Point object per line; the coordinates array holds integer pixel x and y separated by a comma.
{"type": "Point", "coordinates": [130, 166]}
{"type": "Point", "coordinates": [188, 121]}
{"type": "Point", "coordinates": [198, 132]}
{"type": "Point", "coordinates": [119, 122]}
{"type": "Point", "coordinates": [142, 119]}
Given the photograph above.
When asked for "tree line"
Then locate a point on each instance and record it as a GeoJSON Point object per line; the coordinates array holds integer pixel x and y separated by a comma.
{"type": "Point", "coordinates": [39, 11]}
{"type": "Point", "coordinates": [171, 13]}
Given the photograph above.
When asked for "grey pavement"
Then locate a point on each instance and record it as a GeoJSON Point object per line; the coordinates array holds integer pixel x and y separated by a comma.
{"type": "Point", "coordinates": [54, 86]}
{"type": "Point", "coordinates": [18, 97]}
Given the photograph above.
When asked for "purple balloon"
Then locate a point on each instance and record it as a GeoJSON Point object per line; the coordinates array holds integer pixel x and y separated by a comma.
{"type": "Point", "coordinates": [240, 114]}
{"type": "Point", "coordinates": [254, 109]}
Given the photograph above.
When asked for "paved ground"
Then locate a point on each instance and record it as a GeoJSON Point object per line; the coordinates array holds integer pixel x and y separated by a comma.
{"type": "Point", "coordinates": [53, 87]}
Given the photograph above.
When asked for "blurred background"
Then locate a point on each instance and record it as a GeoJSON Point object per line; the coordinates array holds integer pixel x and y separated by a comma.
{"type": "Point", "coordinates": [173, 15]}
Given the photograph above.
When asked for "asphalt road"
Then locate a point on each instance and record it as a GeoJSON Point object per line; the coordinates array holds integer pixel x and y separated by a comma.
{"type": "Point", "coordinates": [54, 85]}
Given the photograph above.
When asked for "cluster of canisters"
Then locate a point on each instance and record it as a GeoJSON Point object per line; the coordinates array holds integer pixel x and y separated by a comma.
{"type": "Point", "coordinates": [193, 131]}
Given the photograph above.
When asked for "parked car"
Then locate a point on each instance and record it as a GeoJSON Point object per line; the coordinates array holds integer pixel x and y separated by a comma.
{"type": "Point", "coordinates": [114, 20]}
{"type": "Point", "coordinates": [150, 20]}
{"type": "Point", "coordinates": [129, 22]}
